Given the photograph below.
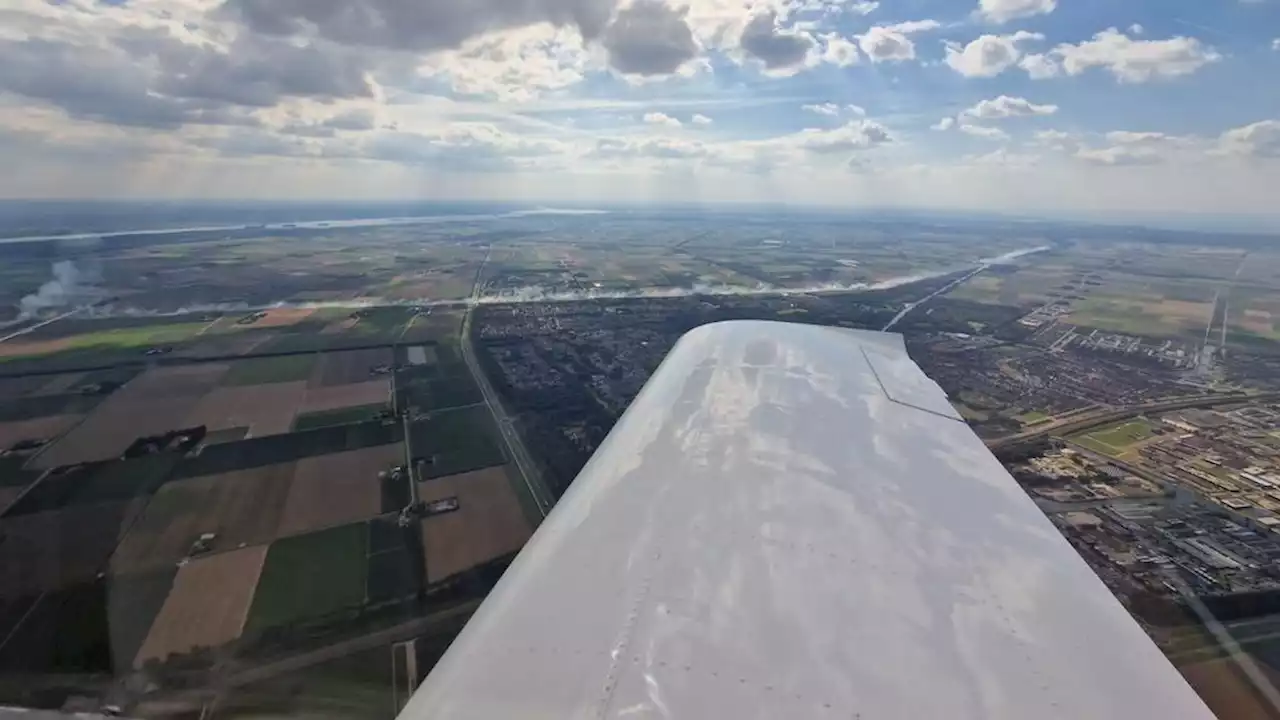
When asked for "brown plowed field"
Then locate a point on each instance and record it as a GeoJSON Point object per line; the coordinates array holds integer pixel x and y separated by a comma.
{"type": "Point", "coordinates": [487, 524]}
{"type": "Point", "coordinates": [49, 550]}
{"type": "Point", "coordinates": [281, 317]}
{"type": "Point", "coordinates": [264, 409]}
{"type": "Point", "coordinates": [157, 401]}
{"type": "Point", "coordinates": [242, 507]}
{"type": "Point", "coordinates": [337, 489]}
{"type": "Point", "coordinates": [208, 604]}
{"type": "Point", "coordinates": [350, 366]}
{"type": "Point", "coordinates": [370, 392]}
{"type": "Point", "coordinates": [44, 428]}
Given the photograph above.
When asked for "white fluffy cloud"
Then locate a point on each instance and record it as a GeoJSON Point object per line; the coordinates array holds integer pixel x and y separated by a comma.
{"type": "Point", "coordinates": [983, 131]}
{"type": "Point", "coordinates": [945, 123]}
{"type": "Point", "coordinates": [989, 55]}
{"type": "Point", "coordinates": [1135, 61]}
{"type": "Point", "coordinates": [1261, 140]}
{"type": "Point", "coordinates": [657, 118]}
{"type": "Point", "coordinates": [700, 119]}
{"type": "Point", "coordinates": [829, 109]}
{"type": "Point", "coordinates": [838, 50]}
{"type": "Point", "coordinates": [1001, 11]}
{"type": "Point", "coordinates": [1005, 106]}
{"type": "Point", "coordinates": [892, 43]}
{"type": "Point", "coordinates": [1039, 67]}
{"type": "Point", "coordinates": [1275, 44]}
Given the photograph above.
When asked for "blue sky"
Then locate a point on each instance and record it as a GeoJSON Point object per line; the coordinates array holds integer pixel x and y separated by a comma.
{"type": "Point", "coordinates": [1069, 107]}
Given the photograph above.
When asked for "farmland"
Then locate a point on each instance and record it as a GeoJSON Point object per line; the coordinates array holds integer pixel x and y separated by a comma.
{"type": "Point", "coordinates": [488, 523]}
{"type": "Point", "coordinates": [309, 576]}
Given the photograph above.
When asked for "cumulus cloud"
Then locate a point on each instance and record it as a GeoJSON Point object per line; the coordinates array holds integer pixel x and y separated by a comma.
{"type": "Point", "coordinates": [1006, 107]}
{"type": "Point", "coordinates": [664, 148]}
{"type": "Point", "coordinates": [1260, 139]}
{"type": "Point", "coordinates": [945, 123]}
{"type": "Point", "coordinates": [777, 48]}
{"type": "Point", "coordinates": [838, 50]}
{"type": "Point", "coordinates": [1001, 11]}
{"type": "Point", "coordinates": [983, 131]}
{"type": "Point", "coordinates": [657, 118]}
{"type": "Point", "coordinates": [148, 78]}
{"type": "Point", "coordinates": [1275, 44]}
{"type": "Point", "coordinates": [413, 24]}
{"type": "Point", "coordinates": [988, 55]}
{"type": "Point", "coordinates": [649, 38]}
{"type": "Point", "coordinates": [1119, 155]}
{"type": "Point", "coordinates": [700, 119]}
{"type": "Point", "coordinates": [1135, 61]}
{"type": "Point", "coordinates": [855, 135]}
{"type": "Point", "coordinates": [829, 109]}
{"type": "Point", "coordinates": [892, 43]}
{"type": "Point", "coordinates": [1039, 67]}
{"type": "Point", "coordinates": [862, 8]}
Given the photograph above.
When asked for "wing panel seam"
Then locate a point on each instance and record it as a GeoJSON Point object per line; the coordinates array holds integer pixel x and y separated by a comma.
{"type": "Point", "coordinates": [884, 389]}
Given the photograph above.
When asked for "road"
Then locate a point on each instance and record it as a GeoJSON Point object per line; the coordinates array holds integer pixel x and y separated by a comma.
{"type": "Point", "coordinates": [37, 326]}
{"type": "Point", "coordinates": [542, 497]}
{"type": "Point", "coordinates": [940, 291]}
{"type": "Point", "coordinates": [1092, 420]}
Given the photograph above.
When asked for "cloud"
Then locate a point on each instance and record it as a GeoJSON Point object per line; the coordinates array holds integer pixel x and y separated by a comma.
{"type": "Point", "coordinates": [945, 123]}
{"type": "Point", "coordinates": [1001, 11]}
{"type": "Point", "coordinates": [466, 147]}
{"type": "Point", "coordinates": [855, 135]}
{"type": "Point", "coordinates": [663, 148]}
{"type": "Point", "coordinates": [862, 8]}
{"type": "Point", "coordinates": [983, 131]}
{"type": "Point", "coordinates": [700, 119]}
{"type": "Point", "coordinates": [838, 50]}
{"type": "Point", "coordinates": [1135, 61]}
{"type": "Point", "coordinates": [1259, 140]}
{"type": "Point", "coordinates": [1119, 156]}
{"type": "Point", "coordinates": [1275, 44]}
{"type": "Point", "coordinates": [891, 43]}
{"type": "Point", "coordinates": [516, 65]}
{"type": "Point", "coordinates": [421, 25]}
{"type": "Point", "coordinates": [988, 55]}
{"type": "Point", "coordinates": [829, 109]}
{"type": "Point", "coordinates": [657, 118]}
{"type": "Point", "coordinates": [649, 38]}
{"type": "Point", "coordinates": [778, 49]}
{"type": "Point", "coordinates": [1054, 138]}
{"type": "Point", "coordinates": [1040, 67]}
{"type": "Point", "coordinates": [1006, 107]}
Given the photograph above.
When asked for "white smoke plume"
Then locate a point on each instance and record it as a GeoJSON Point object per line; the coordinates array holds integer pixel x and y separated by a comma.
{"type": "Point", "coordinates": [70, 285]}
{"type": "Point", "coordinates": [541, 295]}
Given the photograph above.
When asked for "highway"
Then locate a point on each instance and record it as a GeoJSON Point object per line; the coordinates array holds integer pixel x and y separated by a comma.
{"type": "Point", "coordinates": [1094, 419]}
{"type": "Point", "coordinates": [542, 497]}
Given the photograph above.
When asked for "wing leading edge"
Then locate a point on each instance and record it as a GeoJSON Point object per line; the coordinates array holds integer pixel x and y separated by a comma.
{"type": "Point", "coordinates": [791, 521]}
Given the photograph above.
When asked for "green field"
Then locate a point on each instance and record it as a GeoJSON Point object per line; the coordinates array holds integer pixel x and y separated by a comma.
{"type": "Point", "coordinates": [1115, 439]}
{"type": "Point", "coordinates": [456, 441]}
{"type": "Point", "coordinates": [1033, 417]}
{"type": "Point", "coordinates": [309, 576]}
{"type": "Point", "coordinates": [341, 416]}
{"type": "Point", "coordinates": [259, 371]}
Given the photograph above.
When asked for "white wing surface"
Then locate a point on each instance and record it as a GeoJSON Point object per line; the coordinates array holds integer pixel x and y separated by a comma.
{"type": "Point", "coordinates": [792, 522]}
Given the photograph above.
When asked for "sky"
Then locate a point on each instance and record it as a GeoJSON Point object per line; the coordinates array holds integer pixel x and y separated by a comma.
{"type": "Point", "coordinates": [1065, 107]}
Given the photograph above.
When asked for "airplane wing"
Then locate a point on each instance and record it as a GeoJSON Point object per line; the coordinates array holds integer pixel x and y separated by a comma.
{"type": "Point", "coordinates": [791, 521]}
